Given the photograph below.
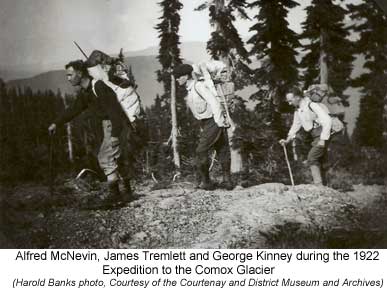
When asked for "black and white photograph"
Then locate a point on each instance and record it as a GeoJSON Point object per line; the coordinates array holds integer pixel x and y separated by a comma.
{"type": "Point", "coordinates": [193, 124]}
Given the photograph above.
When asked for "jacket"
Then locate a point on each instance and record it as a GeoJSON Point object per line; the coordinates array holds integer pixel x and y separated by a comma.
{"type": "Point", "coordinates": [104, 102]}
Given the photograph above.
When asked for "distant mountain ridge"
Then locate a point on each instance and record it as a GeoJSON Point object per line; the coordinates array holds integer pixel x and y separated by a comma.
{"type": "Point", "coordinates": [144, 65]}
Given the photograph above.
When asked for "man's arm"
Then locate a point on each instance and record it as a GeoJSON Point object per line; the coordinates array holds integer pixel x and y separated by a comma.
{"type": "Point", "coordinates": [214, 103]}
{"type": "Point", "coordinates": [324, 119]}
{"type": "Point", "coordinates": [77, 107]}
{"type": "Point", "coordinates": [296, 126]}
{"type": "Point", "coordinates": [111, 105]}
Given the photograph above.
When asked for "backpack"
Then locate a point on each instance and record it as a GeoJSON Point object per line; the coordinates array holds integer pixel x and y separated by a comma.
{"type": "Point", "coordinates": [105, 68]}
{"type": "Point", "coordinates": [318, 93]}
{"type": "Point", "coordinates": [127, 97]}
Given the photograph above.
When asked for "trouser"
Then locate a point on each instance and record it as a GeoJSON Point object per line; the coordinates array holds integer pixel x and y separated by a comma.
{"type": "Point", "coordinates": [109, 152]}
{"type": "Point", "coordinates": [116, 157]}
{"type": "Point", "coordinates": [317, 154]}
{"type": "Point", "coordinates": [317, 157]}
{"type": "Point", "coordinates": [212, 137]}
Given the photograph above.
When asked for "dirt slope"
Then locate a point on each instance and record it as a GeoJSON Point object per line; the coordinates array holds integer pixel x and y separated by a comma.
{"type": "Point", "coordinates": [268, 215]}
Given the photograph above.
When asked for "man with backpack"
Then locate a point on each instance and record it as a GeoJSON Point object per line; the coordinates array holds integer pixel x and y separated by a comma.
{"type": "Point", "coordinates": [217, 77]}
{"type": "Point", "coordinates": [314, 118]}
{"type": "Point", "coordinates": [207, 109]}
{"type": "Point", "coordinates": [103, 100]}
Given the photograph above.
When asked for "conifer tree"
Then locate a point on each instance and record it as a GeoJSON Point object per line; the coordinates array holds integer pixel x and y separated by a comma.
{"type": "Point", "coordinates": [371, 24]}
{"type": "Point", "coordinates": [225, 36]}
{"type": "Point", "coordinates": [329, 56]}
{"type": "Point", "coordinates": [3, 122]}
{"type": "Point", "coordinates": [274, 44]}
{"type": "Point", "coordinates": [130, 74]}
{"type": "Point", "coordinates": [169, 57]}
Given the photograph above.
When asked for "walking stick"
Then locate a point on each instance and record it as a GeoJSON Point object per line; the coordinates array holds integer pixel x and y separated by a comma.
{"type": "Point", "coordinates": [288, 163]}
{"type": "Point", "coordinates": [50, 165]}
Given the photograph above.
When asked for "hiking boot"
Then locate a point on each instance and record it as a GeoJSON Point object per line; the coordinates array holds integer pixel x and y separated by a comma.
{"type": "Point", "coordinates": [113, 192]}
{"type": "Point", "coordinates": [204, 176]}
{"type": "Point", "coordinates": [227, 182]}
{"type": "Point", "coordinates": [245, 183]}
{"type": "Point", "coordinates": [316, 174]}
{"type": "Point", "coordinates": [109, 198]}
{"type": "Point", "coordinates": [244, 179]}
{"type": "Point", "coordinates": [207, 185]}
{"type": "Point", "coordinates": [198, 180]}
{"type": "Point", "coordinates": [127, 196]}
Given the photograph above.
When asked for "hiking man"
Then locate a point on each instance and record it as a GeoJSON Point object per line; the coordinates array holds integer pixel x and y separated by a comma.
{"type": "Point", "coordinates": [101, 98]}
{"type": "Point", "coordinates": [207, 109]}
{"type": "Point", "coordinates": [217, 77]}
{"type": "Point", "coordinates": [315, 120]}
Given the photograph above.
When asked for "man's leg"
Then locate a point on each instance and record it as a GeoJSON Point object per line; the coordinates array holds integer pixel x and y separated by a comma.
{"type": "Point", "coordinates": [208, 137]}
{"type": "Point", "coordinates": [315, 157]}
{"type": "Point", "coordinates": [107, 157]}
{"type": "Point", "coordinates": [126, 163]}
{"type": "Point", "coordinates": [203, 172]}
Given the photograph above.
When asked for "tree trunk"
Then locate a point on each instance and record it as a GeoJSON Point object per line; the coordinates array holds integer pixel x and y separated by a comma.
{"type": "Point", "coordinates": [69, 136]}
{"type": "Point", "coordinates": [147, 171]}
{"type": "Point", "coordinates": [323, 61]}
{"type": "Point", "coordinates": [236, 157]}
{"type": "Point", "coordinates": [385, 138]}
{"type": "Point", "coordinates": [176, 157]}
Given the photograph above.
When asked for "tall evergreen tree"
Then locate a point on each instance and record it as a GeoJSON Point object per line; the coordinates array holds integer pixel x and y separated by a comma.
{"type": "Point", "coordinates": [371, 24]}
{"type": "Point", "coordinates": [274, 44]}
{"type": "Point", "coordinates": [169, 57]}
{"type": "Point", "coordinates": [329, 56]}
{"type": "Point", "coordinates": [225, 36]}
{"type": "Point", "coordinates": [130, 74]}
{"type": "Point", "coordinates": [3, 122]}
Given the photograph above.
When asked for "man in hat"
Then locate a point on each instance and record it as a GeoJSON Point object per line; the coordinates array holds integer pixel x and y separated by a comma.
{"type": "Point", "coordinates": [207, 109]}
{"type": "Point", "coordinates": [314, 118]}
{"type": "Point", "coordinates": [101, 98]}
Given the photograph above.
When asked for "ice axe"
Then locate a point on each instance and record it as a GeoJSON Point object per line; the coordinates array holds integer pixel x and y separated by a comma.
{"type": "Point", "coordinates": [288, 163]}
{"type": "Point", "coordinates": [84, 54]}
{"type": "Point", "coordinates": [227, 112]}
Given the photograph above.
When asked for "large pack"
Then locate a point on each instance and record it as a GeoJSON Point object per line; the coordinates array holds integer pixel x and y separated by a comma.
{"type": "Point", "coordinates": [105, 68]}
{"type": "Point", "coordinates": [211, 73]}
{"type": "Point", "coordinates": [319, 93]}
{"type": "Point", "coordinates": [127, 97]}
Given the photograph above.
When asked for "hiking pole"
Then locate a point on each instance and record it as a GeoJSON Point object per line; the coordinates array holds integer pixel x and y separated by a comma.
{"type": "Point", "coordinates": [288, 163]}
{"type": "Point", "coordinates": [50, 165]}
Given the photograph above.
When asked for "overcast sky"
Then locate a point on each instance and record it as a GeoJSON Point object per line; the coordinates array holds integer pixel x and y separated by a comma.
{"type": "Point", "coordinates": [42, 31]}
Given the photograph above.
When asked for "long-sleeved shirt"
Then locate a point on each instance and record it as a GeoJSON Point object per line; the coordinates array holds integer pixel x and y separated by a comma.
{"type": "Point", "coordinates": [104, 103]}
{"type": "Point", "coordinates": [203, 103]}
{"type": "Point", "coordinates": [309, 115]}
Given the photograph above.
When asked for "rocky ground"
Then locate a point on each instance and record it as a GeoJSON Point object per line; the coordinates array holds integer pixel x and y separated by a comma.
{"type": "Point", "coordinates": [264, 216]}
